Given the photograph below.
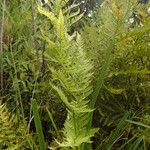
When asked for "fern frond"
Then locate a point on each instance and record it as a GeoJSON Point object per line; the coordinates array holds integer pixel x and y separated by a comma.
{"type": "Point", "coordinates": [12, 136]}
{"type": "Point", "coordinates": [69, 8]}
{"type": "Point", "coordinates": [49, 15]}
{"type": "Point", "coordinates": [72, 13]}
{"type": "Point", "coordinates": [72, 71]}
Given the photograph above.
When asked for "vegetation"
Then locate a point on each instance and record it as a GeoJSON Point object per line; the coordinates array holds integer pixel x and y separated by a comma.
{"type": "Point", "coordinates": [70, 80]}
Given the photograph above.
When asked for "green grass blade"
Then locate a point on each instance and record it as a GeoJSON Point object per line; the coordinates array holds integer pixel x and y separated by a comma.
{"type": "Point", "coordinates": [138, 123]}
{"type": "Point", "coordinates": [117, 133]}
{"type": "Point", "coordinates": [52, 121]}
{"type": "Point", "coordinates": [38, 125]}
{"type": "Point", "coordinates": [136, 144]}
{"type": "Point", "coordinates": [101, 78]}
{"type": "Point", "coordinates": [100, 81]}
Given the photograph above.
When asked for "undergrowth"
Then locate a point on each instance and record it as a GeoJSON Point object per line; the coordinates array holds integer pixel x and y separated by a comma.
{"type": "Point", "coordinates": [72, 82]}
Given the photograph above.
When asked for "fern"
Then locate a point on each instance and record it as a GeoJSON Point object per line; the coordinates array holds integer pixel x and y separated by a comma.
{"type": "Point", "coordinates": [71, 12]}
{"type": "Point", "coordinates": [11, 136]}
{"type": "Point", "coordinates": [71, 77]}
{"type": "Point", "coordinates": [125, 87]}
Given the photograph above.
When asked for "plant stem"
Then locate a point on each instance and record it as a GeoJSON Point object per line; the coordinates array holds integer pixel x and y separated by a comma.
{"type": "Point", "coordinates": [53, 123]}
{"type": "Point", "coordinates": [17, 89]}
{"type": "Point", "coordinates": [34, 28]}
{"type": "Point", "coordinates": [1, 43]}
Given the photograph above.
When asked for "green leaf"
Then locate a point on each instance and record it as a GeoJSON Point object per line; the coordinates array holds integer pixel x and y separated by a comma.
{"type": "Point", "coordinates": [38, 124]}
{"type": "Point", "coordinates": [117, 132]}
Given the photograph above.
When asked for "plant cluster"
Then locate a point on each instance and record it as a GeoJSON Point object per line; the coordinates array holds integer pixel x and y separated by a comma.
{"type": "Point", "coordinates": [72, 85]}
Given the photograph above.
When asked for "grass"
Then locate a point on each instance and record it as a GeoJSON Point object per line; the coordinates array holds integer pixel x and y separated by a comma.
{"type": "Point", "coordinates": [38, 124]}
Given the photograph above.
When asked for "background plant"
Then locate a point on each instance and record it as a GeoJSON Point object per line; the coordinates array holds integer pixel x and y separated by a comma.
{"type": "Point", "coordinates": [126, 69]}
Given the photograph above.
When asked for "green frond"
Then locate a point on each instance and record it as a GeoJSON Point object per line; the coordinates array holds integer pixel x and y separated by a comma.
{"type": "Point", "coordinates": [72, 12]}
{"type": "Point", "coordinates": [83, 138]}
{"type": "Point", "coordinates": [75, 19]}
{"type": "Point", "coordinates": [60, 27]}
{"type": "Point", "coordinates": [49, 15]}
{"type": "Point", "coordinates": [72, 16]}
{"type": "Point", "coordinates": [75, 130]}
{"type": "Point", "coordinates": [11, 135]}
{"type": "Point", "coordinates": [69, 8]}
{"type": "Point", "coordinates": [75, 77]}
{"type": "Point", "coordinates": [61, 95]}
{"type": "Point", "coordinates": [72, 71]}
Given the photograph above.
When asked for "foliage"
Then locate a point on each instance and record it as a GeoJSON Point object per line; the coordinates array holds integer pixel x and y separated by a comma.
{"type": "Point", "coordinates": [126, 85]}
{"type": "Point", "coordinates": [71, 77]}
{"type": "Point", "coordinates": [60, 85]}
{"type": "Point", "coordinates": [12, 135]}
